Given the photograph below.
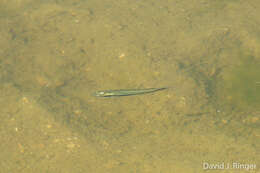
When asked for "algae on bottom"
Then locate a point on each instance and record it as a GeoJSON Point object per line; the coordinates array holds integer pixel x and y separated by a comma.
{"type": "Point", "coordinates": [239, 87]}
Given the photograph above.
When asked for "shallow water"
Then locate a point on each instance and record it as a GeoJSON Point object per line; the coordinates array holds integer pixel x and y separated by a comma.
{"type": "Point", "coordinates": [54, 56]}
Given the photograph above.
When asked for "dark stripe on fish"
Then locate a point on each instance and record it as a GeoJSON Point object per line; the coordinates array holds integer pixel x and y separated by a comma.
{"type": "Point", "coordinates": [126, 92]}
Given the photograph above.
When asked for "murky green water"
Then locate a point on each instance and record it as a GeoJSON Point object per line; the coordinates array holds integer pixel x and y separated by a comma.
{"type": "Point", "coordinates": [54, 56]}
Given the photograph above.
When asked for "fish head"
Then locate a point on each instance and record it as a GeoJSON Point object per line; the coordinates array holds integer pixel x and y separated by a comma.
{"type": "Point", "coordinates": [100, 94]}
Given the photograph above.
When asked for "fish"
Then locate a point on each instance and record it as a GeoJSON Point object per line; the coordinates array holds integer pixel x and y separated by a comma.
{"type": "Point", "coordinates": [126, 92]}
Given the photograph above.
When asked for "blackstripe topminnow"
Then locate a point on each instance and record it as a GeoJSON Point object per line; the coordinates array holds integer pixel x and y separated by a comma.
{"type": "Point", "coordinates": [126, 92]}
